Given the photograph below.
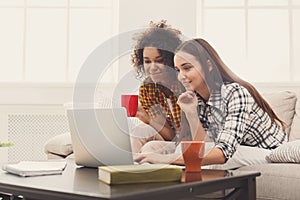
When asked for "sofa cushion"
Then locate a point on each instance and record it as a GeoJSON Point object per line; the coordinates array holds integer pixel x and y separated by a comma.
{"type": "Point", "coordinates": [295, 130]}
{"type": "Point", "coordinates": [277, 180]}
{"type": "Point", "coordinates": [244, 155]}
{"type": "Point", "coordinates": [288, 153]}
{"type": "Point", "coordinates": [59, 145]}
{"type": "Point", "coordinates": [283, 104]}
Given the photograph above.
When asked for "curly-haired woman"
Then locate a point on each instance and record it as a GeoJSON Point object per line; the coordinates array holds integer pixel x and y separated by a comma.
{"type": "Point", "coordinates": [153, 60]}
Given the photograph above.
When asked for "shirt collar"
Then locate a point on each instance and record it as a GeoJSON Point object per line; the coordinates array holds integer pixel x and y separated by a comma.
{"type": "Point", "coordinates": [215, 98]}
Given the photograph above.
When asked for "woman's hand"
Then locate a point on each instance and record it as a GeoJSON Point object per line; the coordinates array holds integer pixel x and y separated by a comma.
{"type": "Point", "coordinates": [157, 158]}
{"type": "Point", "coordinates": [188, 102]}
{"type": "Point", "coordinates": [142, 115]}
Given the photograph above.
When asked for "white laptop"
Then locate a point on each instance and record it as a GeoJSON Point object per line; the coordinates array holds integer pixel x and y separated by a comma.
{"type": "Point", "coordinates": [100, 136]}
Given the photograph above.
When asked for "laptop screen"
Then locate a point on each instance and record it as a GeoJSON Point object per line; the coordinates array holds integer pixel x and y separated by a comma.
{"type": "Point", "coordinates": [100, 136]}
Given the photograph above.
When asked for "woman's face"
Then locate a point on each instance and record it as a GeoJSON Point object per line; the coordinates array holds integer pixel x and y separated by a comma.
{"type": "Point", "coordinates": [190, 72]}
{"type": "Point", "coordinates": [155, 67]}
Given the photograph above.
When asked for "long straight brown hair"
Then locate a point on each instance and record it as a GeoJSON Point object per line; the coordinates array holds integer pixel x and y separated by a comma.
{"type": "Point", "coordinates": [203, 52]}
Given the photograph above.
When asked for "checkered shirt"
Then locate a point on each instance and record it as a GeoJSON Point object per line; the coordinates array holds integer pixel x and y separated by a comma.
{"type": "Point", "coordinates": [155, 103]}
{"type": "Point", "coordinates": [231, 117]}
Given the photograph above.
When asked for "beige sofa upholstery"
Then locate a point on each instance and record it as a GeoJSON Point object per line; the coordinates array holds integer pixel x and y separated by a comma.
{"type": "Point", "coordinates": [281, 180]}
{"type": "Point", "coordinates": [277, 180]}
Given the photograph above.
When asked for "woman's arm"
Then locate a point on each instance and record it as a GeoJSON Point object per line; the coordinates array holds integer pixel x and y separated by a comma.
{"type": "Point", "coordinates": [197, 130]}
{"type": "Point", "coordinates": [215, 156]}
{"type": "Point", "coordinates": [239, 102]}
{"type": "Point", "coordinates": [158, 158]}
{"type": "Point", "coordinates": [157, 119]}
{"type": "Point", "coordinates": [158, 122]}
{"type": "Point", "coordinates": [188, 103]}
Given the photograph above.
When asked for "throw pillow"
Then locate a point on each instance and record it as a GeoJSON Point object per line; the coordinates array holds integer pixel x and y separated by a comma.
{"type": "Point", "coordinates": [283, 104]}
{"type": "Point", "coordinates": [295, 130]}
{"type": "Point", "coordinates": [288, 153]}
{"type": "Point", "coordinates": [60, 145]}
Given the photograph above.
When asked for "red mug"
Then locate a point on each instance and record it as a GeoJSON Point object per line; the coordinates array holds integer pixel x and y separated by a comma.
{"type": "Point", "coordinates": [130, 102]}
{"type": "Point", "coordinates": [192, 152]}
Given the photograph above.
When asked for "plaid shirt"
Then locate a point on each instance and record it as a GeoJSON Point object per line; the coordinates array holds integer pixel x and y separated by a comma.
{"type": "Point", "coordinates": [231, 117]}
{"type": "Point", "coordinates": [154, 101]}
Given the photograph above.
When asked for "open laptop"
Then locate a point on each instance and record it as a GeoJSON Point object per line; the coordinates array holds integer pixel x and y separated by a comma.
{"type": "Point", "coordinates": [100, 136]}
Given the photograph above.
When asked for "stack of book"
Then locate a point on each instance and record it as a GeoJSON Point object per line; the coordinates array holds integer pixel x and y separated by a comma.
{"type": "Point", "coordinates": [123, 174]}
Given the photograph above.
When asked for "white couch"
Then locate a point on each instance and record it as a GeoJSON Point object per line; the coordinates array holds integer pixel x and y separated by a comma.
{"type": "Point", "coordinates": [278, 180]}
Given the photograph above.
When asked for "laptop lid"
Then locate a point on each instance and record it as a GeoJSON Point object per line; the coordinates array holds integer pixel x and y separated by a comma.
{"type": "Point", "coordinates": [100, 136]}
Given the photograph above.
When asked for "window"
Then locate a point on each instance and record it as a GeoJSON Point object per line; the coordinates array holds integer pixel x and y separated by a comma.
{"type": "Point", "coordinates": [48, 41]}
{"type": "Point", "coordinates": [257, 39]}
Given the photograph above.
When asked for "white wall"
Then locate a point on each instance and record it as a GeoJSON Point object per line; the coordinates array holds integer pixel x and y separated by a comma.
{"type": "Point", "coordinates": [180, 14]}
{"type": "Point", "coordinates": [136, 14]}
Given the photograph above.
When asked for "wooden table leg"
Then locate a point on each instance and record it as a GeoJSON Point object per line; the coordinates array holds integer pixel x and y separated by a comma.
{"type": "Point", "coordinates": [249, 190]}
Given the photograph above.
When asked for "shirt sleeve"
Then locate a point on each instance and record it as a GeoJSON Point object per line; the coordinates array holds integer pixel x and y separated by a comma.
{"type": "Point", "coordinates": [147, 100]}
{"type": "Point", "coordinates": [143, 97]}
{"type": "Point", "coordinates": [238, 101]}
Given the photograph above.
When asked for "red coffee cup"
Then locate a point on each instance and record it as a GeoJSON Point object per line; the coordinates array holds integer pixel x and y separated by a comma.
{"type": "Point", "coordinates": [130, 102]}
{"type": "Point", "coordinates": [192, 152]}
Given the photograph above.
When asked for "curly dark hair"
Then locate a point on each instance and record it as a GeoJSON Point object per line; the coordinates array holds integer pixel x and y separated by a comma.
{"type": "Point", "coordinates": [160, 35]}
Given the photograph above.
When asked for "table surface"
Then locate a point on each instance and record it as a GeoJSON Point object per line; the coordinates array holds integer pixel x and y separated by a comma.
{"type": "Point", "coordinates": [82, 183]}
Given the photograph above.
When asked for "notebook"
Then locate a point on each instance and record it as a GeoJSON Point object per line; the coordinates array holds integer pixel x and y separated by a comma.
{"type": "Point", "coordinates": [100, 136]}
{"type": "Point", "coordinates": [35, 168]}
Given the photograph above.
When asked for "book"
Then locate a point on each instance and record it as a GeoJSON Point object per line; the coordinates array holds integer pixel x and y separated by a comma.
{"type": "Point", "coordinates": [35, 168]}
{"type": "Point", "coordinates": [123, 174]}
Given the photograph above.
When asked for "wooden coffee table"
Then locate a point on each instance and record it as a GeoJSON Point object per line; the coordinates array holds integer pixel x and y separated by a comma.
{"type": "Point", "coordinates": [82, 183]}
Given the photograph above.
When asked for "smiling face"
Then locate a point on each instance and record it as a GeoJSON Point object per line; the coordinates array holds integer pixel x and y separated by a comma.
{"type": "Point", "coordinates": [190, 72]}
{"type": "Point", "coordinates": [154, 66]}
